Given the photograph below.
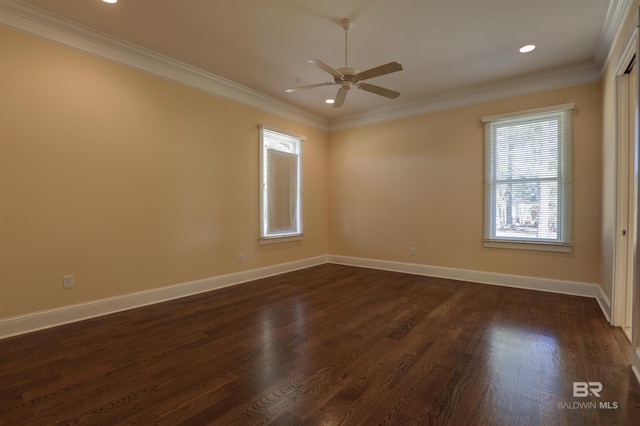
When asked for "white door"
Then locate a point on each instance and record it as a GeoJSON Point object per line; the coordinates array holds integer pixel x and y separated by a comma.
{"type": "Point", "coordinates": [625, 200]}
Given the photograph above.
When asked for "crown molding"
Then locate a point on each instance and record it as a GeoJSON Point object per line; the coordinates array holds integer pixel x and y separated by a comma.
{"type": "Point", "coordinates": [616, 15]}
{"type": "Point", "coordinates": [36, 22]}
{"type": "Point", "coordinates": [533, 83]}
{"type": "Point", "coordinates": [39, 23]}
{"type": "Point", "coordinates": [555, 79]}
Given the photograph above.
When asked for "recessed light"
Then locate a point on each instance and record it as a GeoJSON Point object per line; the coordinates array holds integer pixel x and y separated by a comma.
{"type": "Point", "coordinates": [528, 48]}
{"type": "Point", "coordinates": [110, 1]}
{"type": "Point", "coordinates": [329, 101]}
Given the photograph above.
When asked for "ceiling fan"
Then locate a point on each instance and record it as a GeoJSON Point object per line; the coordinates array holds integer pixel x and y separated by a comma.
{"type": "Point", "coordinates": [348, 76]}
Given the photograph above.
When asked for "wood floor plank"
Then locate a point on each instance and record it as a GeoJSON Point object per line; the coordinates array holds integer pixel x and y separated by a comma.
{"type": "Point", "coordinates": [328, 345]}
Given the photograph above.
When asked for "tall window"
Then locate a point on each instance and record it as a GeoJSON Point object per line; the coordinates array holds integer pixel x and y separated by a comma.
{"type": "Point", "coordinates": [280, 185]}
{"type": "Point", "coordinates": [528, 179]}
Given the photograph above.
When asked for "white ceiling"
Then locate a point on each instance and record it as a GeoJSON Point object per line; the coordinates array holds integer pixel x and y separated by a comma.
{"type": "Point", "coordinates": [445, 46]}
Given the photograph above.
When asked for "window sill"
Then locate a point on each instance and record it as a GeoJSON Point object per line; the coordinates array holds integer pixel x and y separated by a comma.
{"type": "Point", "coordinates": [529, 245]}
{"type": "Point", "coordinates": [275, 240]}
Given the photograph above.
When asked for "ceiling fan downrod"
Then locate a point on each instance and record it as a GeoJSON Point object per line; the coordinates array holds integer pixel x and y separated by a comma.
{"type": "Point", "coordinates": [346, 24]}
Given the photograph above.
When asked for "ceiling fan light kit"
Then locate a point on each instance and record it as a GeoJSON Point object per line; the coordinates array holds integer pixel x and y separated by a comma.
{"type": "Point", "coordinates": [347, 77]}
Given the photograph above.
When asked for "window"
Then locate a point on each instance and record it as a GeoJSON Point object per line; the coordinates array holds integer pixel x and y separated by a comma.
{"type": "Point", "coordinates": [280, 186]}
{"type": "Point", "coordinates": [527, 193]}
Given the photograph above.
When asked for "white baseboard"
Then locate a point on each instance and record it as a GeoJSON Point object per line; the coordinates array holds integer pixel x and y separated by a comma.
{"type": "Point", "coordinates": [573, 288]}
{"type": "Point", "coordinates": [53, 317]}
{"type": "Point", "coordinates": [635, 373]}
{"type": "Point", "coordinates": [605, 304]}
{"type": "Point", "coordinates": [635, 363]}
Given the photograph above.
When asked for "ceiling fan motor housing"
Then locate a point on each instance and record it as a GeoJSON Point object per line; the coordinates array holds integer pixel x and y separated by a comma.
{"type": "Point", "coordinates": [346, 24]}
{"type": "Point", "coordinates": [349, 71]}
{"type": "Point", "coordinates": [349, 76]}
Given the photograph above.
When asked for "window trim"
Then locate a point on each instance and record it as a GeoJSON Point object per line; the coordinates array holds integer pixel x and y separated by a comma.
{"type": "Point", "coordinates": [491, 241]}
{"type": "Point", "coordinates": [263, 238]}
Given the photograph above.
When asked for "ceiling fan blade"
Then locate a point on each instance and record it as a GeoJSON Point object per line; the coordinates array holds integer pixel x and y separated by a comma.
{"type": "Point", "coordinates": [340, 97]}
{"type": "Point", "coordinates": [391, 94]}
{"type": "Point", "coordinates": [310, 86]}
{"type": "Point", "coordinates": [317, 62]}
{"type": "Point", "coordinates": [381, 70]}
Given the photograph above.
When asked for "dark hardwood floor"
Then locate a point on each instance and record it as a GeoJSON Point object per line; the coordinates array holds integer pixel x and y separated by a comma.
{"type": "Point", "coordinates": [329, 345]}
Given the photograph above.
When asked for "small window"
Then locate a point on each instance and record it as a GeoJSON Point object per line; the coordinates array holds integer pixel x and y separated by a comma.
{"type": "Point", "coordinates": [280, 186]}
{"type": "Point", "coordinates": [528, 179]}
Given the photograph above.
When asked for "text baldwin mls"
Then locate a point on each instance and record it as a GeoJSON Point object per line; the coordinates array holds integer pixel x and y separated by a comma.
{"type": "Point", "coordinates": [585, 389]}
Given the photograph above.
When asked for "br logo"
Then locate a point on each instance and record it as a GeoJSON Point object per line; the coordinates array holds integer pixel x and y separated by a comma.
{"type": "Point", "coordinates": [584, 389]}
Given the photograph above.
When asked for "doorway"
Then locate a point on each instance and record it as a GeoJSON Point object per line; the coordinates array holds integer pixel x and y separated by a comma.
{"type": "Point", "coordinates": [626, 182]}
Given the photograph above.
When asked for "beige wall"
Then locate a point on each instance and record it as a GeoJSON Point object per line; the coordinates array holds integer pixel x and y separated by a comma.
{"type": "Point", "coordinates": [418, 182]}
{"type": "Point", "coordinates": [130, 182]}
{"type": "Point", "coordinates": [127, 181]}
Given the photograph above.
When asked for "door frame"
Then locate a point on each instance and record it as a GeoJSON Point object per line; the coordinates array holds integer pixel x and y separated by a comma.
{"type": "Point", "coordinates": [624, 239]}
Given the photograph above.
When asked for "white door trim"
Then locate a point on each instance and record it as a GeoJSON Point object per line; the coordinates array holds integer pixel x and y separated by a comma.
{"type": "Point", "coordinates": [623, 256]}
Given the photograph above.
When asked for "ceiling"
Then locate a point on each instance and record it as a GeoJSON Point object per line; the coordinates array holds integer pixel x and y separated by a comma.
{"type": "Point", "coordinates": [444, 46]}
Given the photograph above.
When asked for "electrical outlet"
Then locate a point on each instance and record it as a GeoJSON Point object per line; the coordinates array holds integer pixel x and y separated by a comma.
{"type": "Point", "coordinates": [67, 281]}
{"type": "Point", "coordinates": [412, 251]}
{"type": "Point", "coordinates": [240, 257]}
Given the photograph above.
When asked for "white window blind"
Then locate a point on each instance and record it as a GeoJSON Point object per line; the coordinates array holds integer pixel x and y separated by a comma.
{"type": "Point", "coordinates": [528, 178]}
{"type": "Point", "coordinates": [280, 184]}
